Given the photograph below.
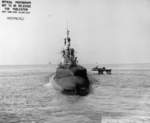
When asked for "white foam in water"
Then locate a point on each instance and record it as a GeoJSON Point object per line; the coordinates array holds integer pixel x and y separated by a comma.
{"type": "Point", "coordinates": [49, 84]}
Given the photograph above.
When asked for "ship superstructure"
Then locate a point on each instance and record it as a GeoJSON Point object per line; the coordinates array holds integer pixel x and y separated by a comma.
{"type": "Point", "coordinates": [68, 53]}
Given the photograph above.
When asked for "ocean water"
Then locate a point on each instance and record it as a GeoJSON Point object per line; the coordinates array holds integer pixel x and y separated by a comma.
{"type": "Point", "coordinates": [27, 96]}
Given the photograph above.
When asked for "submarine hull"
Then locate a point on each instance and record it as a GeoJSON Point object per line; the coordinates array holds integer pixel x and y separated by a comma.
{"type": "Point", "coordinates": [72, 80]}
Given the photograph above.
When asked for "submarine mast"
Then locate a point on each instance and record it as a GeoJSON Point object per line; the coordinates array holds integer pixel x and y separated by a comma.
{"type": "Point", "coordinates": [67, 41]}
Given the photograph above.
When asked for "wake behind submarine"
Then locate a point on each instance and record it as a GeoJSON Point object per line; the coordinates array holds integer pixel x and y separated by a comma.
{"type": "Point", "coordinates": [70, 77]}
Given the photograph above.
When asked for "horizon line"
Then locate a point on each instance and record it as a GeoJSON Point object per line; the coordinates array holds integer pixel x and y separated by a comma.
{"type": "Point", "coordinates": [79, 63]}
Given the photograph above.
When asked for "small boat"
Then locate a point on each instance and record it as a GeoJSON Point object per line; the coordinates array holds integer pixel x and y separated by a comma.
{"type": "Point", "coordinates": [102, 70]}
{"type": "Point", "coordinates": [70, 77]}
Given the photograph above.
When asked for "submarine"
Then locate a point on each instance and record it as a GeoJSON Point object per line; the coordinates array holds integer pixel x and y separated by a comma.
{"type": "Point", "coordinates": [71, 78]}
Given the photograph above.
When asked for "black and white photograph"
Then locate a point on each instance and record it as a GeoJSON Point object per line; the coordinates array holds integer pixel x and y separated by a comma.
{"type": "Point", "coordinates": [74, 61]}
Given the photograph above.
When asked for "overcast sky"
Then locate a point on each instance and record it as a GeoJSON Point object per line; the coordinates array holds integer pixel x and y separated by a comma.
{"type": "Point", "coordinates": [102, 31]}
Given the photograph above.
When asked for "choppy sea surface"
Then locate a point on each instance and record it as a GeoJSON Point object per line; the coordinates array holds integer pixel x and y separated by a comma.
{"type": "Point", "coordinates": [27, 96]}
